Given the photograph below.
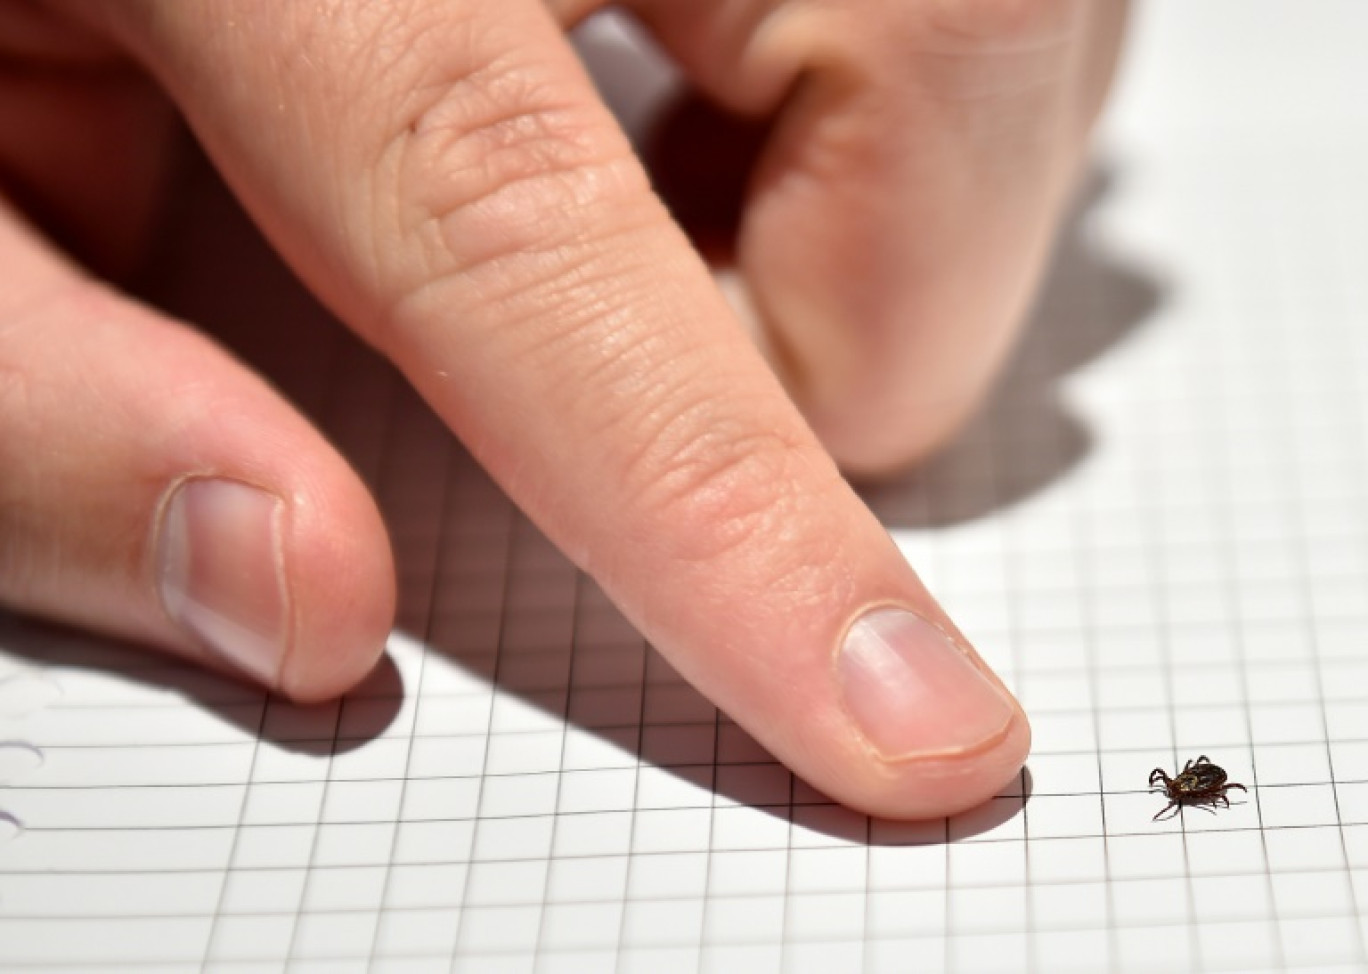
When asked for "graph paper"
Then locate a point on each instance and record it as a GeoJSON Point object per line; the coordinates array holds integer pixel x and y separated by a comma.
{"type": "Point", "coordinates": [1157, 532]}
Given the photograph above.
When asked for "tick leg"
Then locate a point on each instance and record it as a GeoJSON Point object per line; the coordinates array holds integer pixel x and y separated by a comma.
{"type": "Point", "coordinates": [1237, 785]}
{"type": "Point", "coordinates": [1158, 814]}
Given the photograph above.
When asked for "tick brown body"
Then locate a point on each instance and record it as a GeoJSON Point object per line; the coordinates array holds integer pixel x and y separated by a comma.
{"type": "Point", "coordinates": [1200, 784]}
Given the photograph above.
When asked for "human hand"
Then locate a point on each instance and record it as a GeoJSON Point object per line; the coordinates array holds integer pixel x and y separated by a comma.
{"type": "Point", "coordinates": [442, 174]}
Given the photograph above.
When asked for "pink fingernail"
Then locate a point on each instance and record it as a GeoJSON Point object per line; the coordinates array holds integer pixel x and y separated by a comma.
{"type": "Point", "coordinates": [222, 574]}
{"type": "Point", "coordinates": [913, 692]}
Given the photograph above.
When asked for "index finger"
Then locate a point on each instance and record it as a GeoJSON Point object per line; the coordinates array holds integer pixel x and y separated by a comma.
{"type": "Point", "coordinates": [443, 174]}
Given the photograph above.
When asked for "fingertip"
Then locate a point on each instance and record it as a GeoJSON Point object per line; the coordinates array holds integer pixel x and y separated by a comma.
{"type": "Point", "coordinates": [940, 786]}
{"type": "Point", "coordinates": [908, 724]}
{"type": "Point", "coordinates": [342, 584]}
{"type": "Point", "coordinates": [293, 588]}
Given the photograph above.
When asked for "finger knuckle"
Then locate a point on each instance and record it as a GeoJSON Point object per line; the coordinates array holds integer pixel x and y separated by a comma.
{"type": "Point", "coordinates": [719, 486]}
{"type": "Point", "coordinates": [503, 168]}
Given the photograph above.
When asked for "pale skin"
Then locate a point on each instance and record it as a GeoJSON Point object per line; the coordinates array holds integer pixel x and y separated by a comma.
{"type": "Point", "coordinates": [443, 176]}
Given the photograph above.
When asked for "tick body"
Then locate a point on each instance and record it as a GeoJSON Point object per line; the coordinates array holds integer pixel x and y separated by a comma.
{"type": "Point", "coordinates": [1200, 784]}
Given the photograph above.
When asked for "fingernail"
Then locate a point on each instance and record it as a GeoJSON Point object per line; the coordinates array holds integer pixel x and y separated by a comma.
{"type": "Point", "coordinates": [221, 571]}
{"type": "Point", "coordinates": [913, 692]}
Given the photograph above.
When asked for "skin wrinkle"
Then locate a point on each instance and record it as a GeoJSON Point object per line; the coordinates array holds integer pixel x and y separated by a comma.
{"type": "Point", "coordinates": [494, 165]}
{"type": "Point", "coordinates": [725, 492]}
{"type": "Point", "coordinates": [511, 224]}
{"type": "Point", "coordinates": [487, 106]}
{"type": "Point", "coordinates": [814, 577]}
{"type": "Point", "coordinates": [548, 316]}
{"type": "Point", "coordinates": [671, 403]}
{"type": "Point", "coordinates": [371, 227]}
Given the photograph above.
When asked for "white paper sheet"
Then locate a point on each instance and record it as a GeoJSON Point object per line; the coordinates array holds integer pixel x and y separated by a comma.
{"type": "Point", "coordinates": [1157, 532]}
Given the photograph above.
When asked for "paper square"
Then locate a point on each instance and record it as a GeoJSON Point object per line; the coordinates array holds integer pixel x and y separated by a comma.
{"type": "Point", "coordinates": [354, 845]}
{"type": "Point", "coordinates": [1236, 946]}
{"type": "Point", "coordinates": [1069, 906]}
{"type": "Point", "coordinates": [433, 757]}
{"type": "Point", "coordinates": [577, 926]}
{"type": "Point", "coordinates": [1324, 940]}
{"type": "Point", "coordinates": [408, 932]}
{"type": "Point", "coordinates": [1068, 860]}
{"type": "Point", "coordinates": [361, 801]}
{"type": "Point", "coordinates": [1226, 852]}
{"type": "Point", "coordinates": [422, 841]}
{"type": "Point", "coordinates": [524, 753]}
{"type": "Point", "coordinates": [497, 929]}
{"type": "Point", "coordinates": [1141, 688]}
{"type": "Point", "coordinates": [1211, 731]}
{"type": "Point", "coordinates": [1061, 690]}
{"type": "Point", "coordinates": [1142, 902]}
{"type": "Point", "coordinates": [604, 706]}
{"type": "Point", "coordinates": [745, 919]}
{"type": "Point", "coordinates": [1282, 683]}
{"type": "Point", "coordinates": [1296, 805]}
{"type": "Point", "coordinates": [598, 834]}
{"type": "Point", "coordinates": [513, 838]}
{"type": "Point", "coordinates": [902, 913]}
{"type": "Point", "coordinates": [1058, 816]}
{"type": "Point", "coordinates": [1312, 894]}
{"type": "Point", "coordinates": [1064, 774]}
{"type": "Point", "coordinates": [414, 886]}
{"type": "Point", "coordinates": [743, 827]}
{"type": "Point", "coordinates": [988, 910]}
{"type": "Point", "coordinates": [987, 864]}
{"type": "Point", "coordinates": [510, 795]}
{"type": "Point", "coordinates": [1002, 953]}
{"type": "Point", "coordinates": [840, 869]}
{"type": "Point", "coordinates": [748, 872]}
{"type": "Point", "coordinates": [506, 883]}
{"type": "Point", "coordinates": [894, 867]}
{"type": "Point", "coordinates": [440, 798]}
{"type": "Point", "coordinates": [607, 790]}
{"type": "Point", "coordinates": [1224, 898]}
{"type": "Point", "coordinates": [825, 824]}
{"type": "Point", "coordinates": [1150, 729]}
{"type": "Point", "coordinates": [753, 784]}
{"type": "Point", "coordinates": [1146, 949]}
{"type": "Point", "coordinates": [1084, 951]}
{"type": "Point", "coordinates": [355, 889]}
{"type": "Point", "coordinates": [671, 830]}
{"type": "Point", "coordinates": [664, 923]}
{"type": "Point", "coordinates": [805, 957]}
{"type": "Point", "coordinates": [897, 956]}
{"type": "Point", "coordinates": [669, 876]}
{"type": "Point", "coordinates": [1356, 845]}
{"type": "Point", "coordinates": [1146, 856]}
{"type": "Point", "coordinates": [825, 916]}
{"type": "Point", "coordinates": [659, 787]}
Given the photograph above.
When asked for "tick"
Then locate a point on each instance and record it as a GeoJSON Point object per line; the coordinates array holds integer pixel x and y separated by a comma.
{"type": "Point", "coordinates": [1200, 784]}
